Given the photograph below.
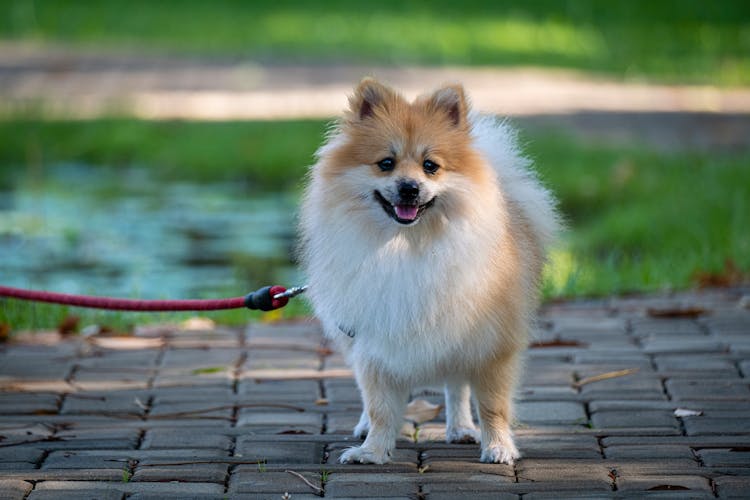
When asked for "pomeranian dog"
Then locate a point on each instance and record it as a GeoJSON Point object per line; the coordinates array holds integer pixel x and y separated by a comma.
{"type": "Point", "coordinates": [423, 236]}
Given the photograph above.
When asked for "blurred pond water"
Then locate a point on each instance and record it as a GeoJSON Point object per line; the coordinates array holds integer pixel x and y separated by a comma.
{"type": "Point", "coordinates": [79, 229]}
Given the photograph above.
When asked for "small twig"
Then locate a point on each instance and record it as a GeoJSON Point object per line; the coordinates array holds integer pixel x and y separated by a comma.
{"type": "Point", "coordinates": [317, 489]}
{"type": "Point", "coordinates": [605, 376]}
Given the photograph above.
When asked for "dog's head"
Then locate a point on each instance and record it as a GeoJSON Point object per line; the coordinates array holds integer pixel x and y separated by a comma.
{"type": "Point", "coordinates": [400, 162]}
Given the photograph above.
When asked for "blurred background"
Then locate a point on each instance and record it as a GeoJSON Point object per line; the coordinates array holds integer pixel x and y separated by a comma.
{"type": "Point", "coordinates": [157, 149]}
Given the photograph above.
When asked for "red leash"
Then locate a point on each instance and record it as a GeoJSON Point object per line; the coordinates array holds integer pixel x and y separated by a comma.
{"type": "Point", "coordinates": [265, 299]}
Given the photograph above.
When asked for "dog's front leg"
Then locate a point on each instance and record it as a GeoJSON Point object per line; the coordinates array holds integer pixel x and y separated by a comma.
{"type": "Point", "coordinates": [493, 389]}
{"type": "Point", "coordinates": [384, 400]}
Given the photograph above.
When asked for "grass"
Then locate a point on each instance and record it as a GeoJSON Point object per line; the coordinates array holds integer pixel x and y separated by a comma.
{"type": "Point", "coordinates": [672, 40]}
{"type": "Point", "coordinates": [640, 220]}
{"type": "Point", "coordinates": [266, 154]}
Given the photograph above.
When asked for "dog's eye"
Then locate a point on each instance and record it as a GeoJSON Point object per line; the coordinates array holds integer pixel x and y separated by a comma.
{"type": "Point", "coordinates": [430, 166]}
{"type": "Point", "coordinates": [387, 164]}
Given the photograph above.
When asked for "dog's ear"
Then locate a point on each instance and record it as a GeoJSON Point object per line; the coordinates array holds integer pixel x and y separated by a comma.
{"type": "Point", "coordinates": [451, 100]}
{"type": "Point", "coordinates": [368, 95]}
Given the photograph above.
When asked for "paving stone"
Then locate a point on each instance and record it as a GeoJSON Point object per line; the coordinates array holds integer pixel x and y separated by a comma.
{"type": "Point", "coordinates": [558, 446]}
{"type": "Point", "coordinates": [630, 404]}
{"type": "Point", "coordinates": [676, 344]}
{"type": "Point", "coordinates": [16, 467]}
{"type": "Point", "coordinates": [171, 488]}
{"type": "Point", "coordinates": [248, 480]}
{"type": "Point", "coordinates": [634, 418]}
{"type": "Point", "coordinates": [729, 389]}
{"type": "Point", "coordinates": [20, 454]}
{"type": "Point", "coordinates": [728, 457]}
{"type": "Point", "coordinates": [665, 466]}
{"type": "Point", "coordinates": [475, 495]}
{"type": "Point", "coordinates": [649, 452]}
{"type": "Point", "coordinates": [201, 473]}
{"type": "Point", "coordinates": [188, 496]}
{"type": "Point", "coordinates": [289, 420]}
{"type": "Point", "coordinates": [547, 393]}
{"type": "Point", "coordinates": [357, 485]}
{"type": "Point", "coordinates": [24, 402]}
{"type": "Point", "coordinates": [95, 438]}
{"type": "Point", "coordinates": [633, 386]}
{"type": "Point", "coordinates": [274, 452]}
{"type": "Point", "coordinates": [293, 389]}
{"type": "Point", "coordinates": [198, 409]}
{"type": "Point", "coordinates": [717, 441]}
{"type": "Point", "coordinates": [87, 494]}
{"type": "Point", "coordinates": [195, 438]}
{"type": "Point", "coordinates": [202, 392]}
{"type": "Point", "coordinates": [106, 403]}
{"type": "Point", "coordinates": [700, 363]}
{"type": "Point", "coordinates": [281, 359]}
{"type": "Point", "coordinates": [14, 489]}
{"type": "Point", "coordinates": [705, 426]}
{"type": "Point", "coordinates": [65, 474]}
{"type": "Point", "coordinates": [137, 359]}
{"type": "Point", "coordinates": [663, 483]}
{"type": "Point", "coordinates": [116, 459]}
{"type": "Point", "coordinates": [563, 470]}
{"type": "Point", "coordinates": [34, 367]}
{"type": "Point", "coordinates": [304, 335]}
{"type": "Point", "coordinates": [553, 412]}
{"type": "Point", "coordinates": [111, 381]}
{"type": "Point", "coordinates": [732, 486]}
{"type": "Point", "coordinates": [674, 326]}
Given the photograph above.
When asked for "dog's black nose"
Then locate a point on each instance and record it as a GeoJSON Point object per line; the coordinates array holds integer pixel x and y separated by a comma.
{"type": "Point", "coordinates": [408, 190]}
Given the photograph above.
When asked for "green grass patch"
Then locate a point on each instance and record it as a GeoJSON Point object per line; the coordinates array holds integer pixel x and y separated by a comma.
{"type": "Point", "coordinates": [263, 154]}
{"type": "Point", "coordinates": [666, 40]}
{"type": "Point", "coordinates": [639, 220]}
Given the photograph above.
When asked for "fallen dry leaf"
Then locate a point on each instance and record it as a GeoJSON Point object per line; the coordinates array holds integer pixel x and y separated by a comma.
{"type": "Point", "coordinates": [4, 332]}
{"type": "Point", "coordinates": [420, 410]}
{"type": "Point", "coordinates": [676, 312]}
{"type": "Point", "coordinates": [558, 342]}
{"type": "Point", "coordinates": [68, 325]}
{"type": "Point", "coordinates": [730, 275]}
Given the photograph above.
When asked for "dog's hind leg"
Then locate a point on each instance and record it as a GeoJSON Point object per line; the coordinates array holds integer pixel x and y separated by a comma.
{"type": "Point", "coordinates": [459, 426]}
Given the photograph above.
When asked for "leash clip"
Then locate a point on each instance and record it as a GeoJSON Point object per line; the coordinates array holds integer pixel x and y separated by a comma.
{"type": "Point", "coordinates": [290, 292]}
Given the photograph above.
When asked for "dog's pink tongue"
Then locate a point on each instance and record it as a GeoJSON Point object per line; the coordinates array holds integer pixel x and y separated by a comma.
{"type": "Point", "coordinates": [406, 212]}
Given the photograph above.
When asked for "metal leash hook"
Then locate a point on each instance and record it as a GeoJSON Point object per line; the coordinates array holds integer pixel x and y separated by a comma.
{"type": "Point", "coordinates": [291, 292]}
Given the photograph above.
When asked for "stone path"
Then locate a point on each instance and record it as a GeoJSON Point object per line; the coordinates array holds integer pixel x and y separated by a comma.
{"type": "Point", "coordinates": [265, 411]}
{"type": "Point", "coordinates": [90, 83]}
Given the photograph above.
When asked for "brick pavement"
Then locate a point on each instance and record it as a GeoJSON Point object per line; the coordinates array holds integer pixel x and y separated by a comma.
{"type": "Point", "coordinates": [225, 413]}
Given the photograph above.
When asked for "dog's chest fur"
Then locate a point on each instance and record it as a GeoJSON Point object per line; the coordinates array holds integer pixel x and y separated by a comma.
{"type": "Point", "coordinates": [410, 306]}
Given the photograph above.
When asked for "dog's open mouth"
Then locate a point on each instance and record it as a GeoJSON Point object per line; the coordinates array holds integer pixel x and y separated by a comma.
{"type": "Point", "coordinates": [403, 213]}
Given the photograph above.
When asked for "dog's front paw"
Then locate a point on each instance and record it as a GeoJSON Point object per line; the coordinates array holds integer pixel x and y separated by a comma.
{"type": "Point", "coordinates": [362, 455]}
{"type": "Point", "coordinates": [500, 454]}
{"type": "Point", "coordinates": [462, 435]}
